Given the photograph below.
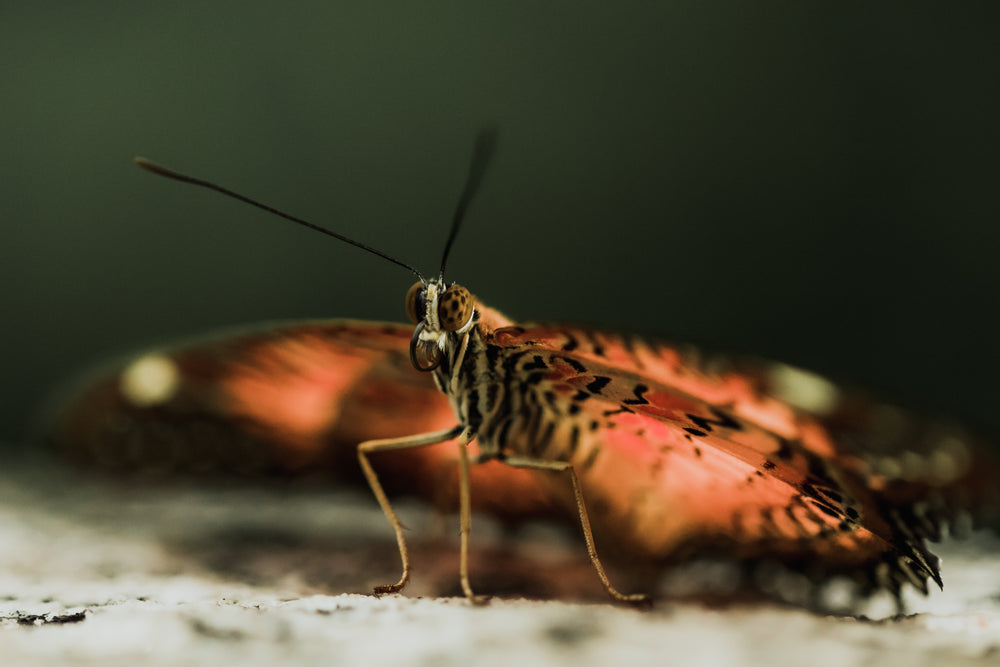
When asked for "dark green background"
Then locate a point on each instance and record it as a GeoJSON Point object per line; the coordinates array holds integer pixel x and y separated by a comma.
{"type": "Point", "coordinates": [812, 183]}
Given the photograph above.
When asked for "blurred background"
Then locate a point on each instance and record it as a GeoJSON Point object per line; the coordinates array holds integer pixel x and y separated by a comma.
{"type": "Point", "coordinates": [812, 184]}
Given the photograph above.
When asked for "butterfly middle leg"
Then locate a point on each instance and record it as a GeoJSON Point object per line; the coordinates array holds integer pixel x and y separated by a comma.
{"type": "Point", "coordinates": [588, 536]}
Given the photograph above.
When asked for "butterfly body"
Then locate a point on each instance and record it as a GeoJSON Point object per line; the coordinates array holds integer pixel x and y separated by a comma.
{"type": "Point", "coordinates": [676, 453]}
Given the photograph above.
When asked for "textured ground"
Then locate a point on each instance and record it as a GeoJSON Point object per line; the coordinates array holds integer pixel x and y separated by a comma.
{"type": "Point", "coordinates": [97, 573]}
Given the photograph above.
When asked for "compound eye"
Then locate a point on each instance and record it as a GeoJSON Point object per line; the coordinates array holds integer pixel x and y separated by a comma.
{"type": "Point", "coordinates": [416, 304]}
{"type": "Point", "coordinates": [455, 308]}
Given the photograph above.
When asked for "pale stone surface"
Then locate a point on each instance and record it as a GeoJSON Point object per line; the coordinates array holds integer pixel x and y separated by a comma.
{"type": "Point", "coordinates": [93, 573]}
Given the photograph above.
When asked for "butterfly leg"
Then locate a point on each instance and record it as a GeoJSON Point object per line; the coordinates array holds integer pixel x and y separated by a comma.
{"type": "Point", "coordinates": [588, 536]}
{"type": "Point", "coordinates": [389, 444]}
{"type": "Point", "coordinates": [466, 516]}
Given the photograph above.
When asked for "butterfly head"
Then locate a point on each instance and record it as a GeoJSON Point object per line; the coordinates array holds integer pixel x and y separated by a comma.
{"type": "Point", "coordinates": [437, 310]}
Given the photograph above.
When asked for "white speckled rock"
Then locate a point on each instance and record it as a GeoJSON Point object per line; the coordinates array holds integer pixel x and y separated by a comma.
{"type": "Point", "coordinates": [100, 574]}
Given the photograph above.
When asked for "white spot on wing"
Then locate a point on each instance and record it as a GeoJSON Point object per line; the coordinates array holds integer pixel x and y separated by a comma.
{"type": "Point", "coordinates": [803, 389]}
{"type": "Point", "coordinates": [149, 380]}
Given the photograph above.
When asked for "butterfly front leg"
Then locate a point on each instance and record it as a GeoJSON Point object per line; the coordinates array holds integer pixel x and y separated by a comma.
{"type": "Point", "coordinates": [390, 444]}
{"type": "Point", "coordinates": [465, 436]}
{"type": "Point", "coordinates": [581, 507]}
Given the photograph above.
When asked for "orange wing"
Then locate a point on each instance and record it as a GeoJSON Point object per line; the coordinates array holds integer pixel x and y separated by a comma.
{"type": "Point", "coordinates": [680, 453]}
{"type": "Point", "coordinates": [295, 398]}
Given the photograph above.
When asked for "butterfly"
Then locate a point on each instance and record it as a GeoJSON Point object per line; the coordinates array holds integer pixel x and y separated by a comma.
{"type": "Point", "coordinates": [657, 449]}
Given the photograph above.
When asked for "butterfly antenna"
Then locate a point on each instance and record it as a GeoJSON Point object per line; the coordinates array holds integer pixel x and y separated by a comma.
{"type": "Point", "coordinates": [486, 144]}
{"type": "Point", "coordinates": [169, 173]}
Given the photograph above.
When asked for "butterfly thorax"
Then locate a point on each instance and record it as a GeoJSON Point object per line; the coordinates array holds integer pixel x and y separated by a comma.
{"type": "Point", "coordinates": [469, 376]}
{"type": "Point", "coordinates": [494, 389]}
